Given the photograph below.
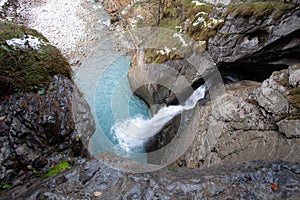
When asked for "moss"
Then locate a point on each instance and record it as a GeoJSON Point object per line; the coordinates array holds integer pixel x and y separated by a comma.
{"type": "Point", "coordinates": [180, 10]}
{"type": "Point", "coordinates": [259, 9]}
{"type": "Point", "coordinates": [4, 186]}
{"type": "Point", "coordinates": [10, 30]}
{"type": "Point", "coordinates": [176, 15]}
{"type": "Point", "coordinates": [172, 169]}
{"type": "Point", "coordinates": [27, 70]}
{"type": "Point", "coordinates": [151, 56]}
{"type": "Point", "coordinates": [62, 166]}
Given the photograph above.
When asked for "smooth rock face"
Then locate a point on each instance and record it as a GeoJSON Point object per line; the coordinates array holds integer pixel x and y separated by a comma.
{"type": "Point", "coordinates": [93, 180]}
{"type": "Point", "coordinates": [37, 131]}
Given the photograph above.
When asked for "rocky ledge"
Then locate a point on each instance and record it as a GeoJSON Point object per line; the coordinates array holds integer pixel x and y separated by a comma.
{"type": "Point", "coordinates": [94, 180]}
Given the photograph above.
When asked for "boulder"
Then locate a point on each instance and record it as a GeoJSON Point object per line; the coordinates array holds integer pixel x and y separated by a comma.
{"type": "Point", "coordinates": [294, 74]}
{"type": "Point", "coordinates": [290, 128]}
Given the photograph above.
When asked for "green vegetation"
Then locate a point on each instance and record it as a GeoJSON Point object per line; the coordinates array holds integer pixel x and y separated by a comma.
{"type": "Point", "coordinates": [259, 9]}
{"type": "Point", "coordinates": [62, 166]}
{"type": "Point", "coordinates": [4, 186]}
{"type": "Point", "coordinates": [27, 70]}
{"type": "Point", "coordinates": [172, 169]}
{"type": "Point", "coordinates": [181, 10]}
{"type": "Point", "coordinates": [184, 15]}
{"type": "Point", "coordinates": [152, 56]}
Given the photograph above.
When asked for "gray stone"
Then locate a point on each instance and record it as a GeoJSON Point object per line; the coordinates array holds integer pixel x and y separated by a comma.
{"type": "Point", "coordinates": [271, 95]}
{"type": "Point", "coordinates": [247, 40]}
{"type": "Point", "coordinates": [41, 129]}
{"type": "Point", "coordinates": [290, 128]}
{"type": "Point", "coordinates": [251, 180]}
{"type": "Point", "coordinates": [294, 75]}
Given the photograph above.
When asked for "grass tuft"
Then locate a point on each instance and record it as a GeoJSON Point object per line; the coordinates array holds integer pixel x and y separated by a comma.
{"type": "Point", "coordinates": [62, 166]}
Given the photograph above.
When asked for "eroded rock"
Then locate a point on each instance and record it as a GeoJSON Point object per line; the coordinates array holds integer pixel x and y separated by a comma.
{"type": "Point", "coordinates": [41, 130]}
{"type": "Point", "coordinates": [250, 180]}
{"type": "Point", "coordinates": [246, 126]}
{"type": "Point", "coordinates": [290, 128]}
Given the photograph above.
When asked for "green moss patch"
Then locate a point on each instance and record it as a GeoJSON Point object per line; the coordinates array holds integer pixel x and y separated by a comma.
{"type": "Point", "coordinates": [27, 69]}
{"type": "Point", "coordinates": [62, 166]}
{"type": "Point", "coordinates": [259, 9]}
{"type": "Point", "coordinates": [4, 186]}
{"type": "Point", "coordinates": [184, 16]}
{"type": "Point", "coordinates": [172, 169]}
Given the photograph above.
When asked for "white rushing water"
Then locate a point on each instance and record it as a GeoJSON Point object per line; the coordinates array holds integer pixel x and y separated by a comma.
{"type": "Point", "coordinates": [133, 133]}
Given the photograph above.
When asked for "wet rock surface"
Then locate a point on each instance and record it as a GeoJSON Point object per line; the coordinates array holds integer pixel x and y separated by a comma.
{"type": "Point", "coordinates": [93, 180]}
{"type": "Point", "coordinates": [37, 131]}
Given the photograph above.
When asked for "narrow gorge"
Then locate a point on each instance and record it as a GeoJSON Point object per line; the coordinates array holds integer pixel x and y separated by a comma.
{"type": "Point", "coordinates": [175, 99]}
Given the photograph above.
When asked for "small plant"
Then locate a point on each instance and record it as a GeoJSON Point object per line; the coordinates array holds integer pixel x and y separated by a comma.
{"type": "Point", "coordinates": [4, 185]}
{"type": "Point", "coordinates": [62, 166]}
{"type": "Point", "coordinates": [172, 169]}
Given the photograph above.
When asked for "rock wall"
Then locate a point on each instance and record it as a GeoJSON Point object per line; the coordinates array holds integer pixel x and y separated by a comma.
{"type": "Point", "coordinates": [260, 39]}
{"type": "Point", "coordinates": [255, 121]}
{"type": "Point", "coordinates": [37, 131]}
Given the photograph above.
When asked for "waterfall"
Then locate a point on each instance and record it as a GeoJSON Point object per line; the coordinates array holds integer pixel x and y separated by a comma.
{"type": "Point", "coordinates": [134, 132]}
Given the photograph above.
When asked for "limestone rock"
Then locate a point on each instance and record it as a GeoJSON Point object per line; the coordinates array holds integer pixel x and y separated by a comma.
{"type": "Point", "coordinates": [271, 95]}
{"type": "Point", "coordinates": [245, 126]}
{"type": "Point", "coordinates": [294, 74]}
{"type": "Point", "coordinates": [290, 128]}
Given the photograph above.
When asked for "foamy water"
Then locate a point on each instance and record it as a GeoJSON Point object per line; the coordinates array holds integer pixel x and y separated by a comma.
{"type": "Point", "coordinates": [133, 133]}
